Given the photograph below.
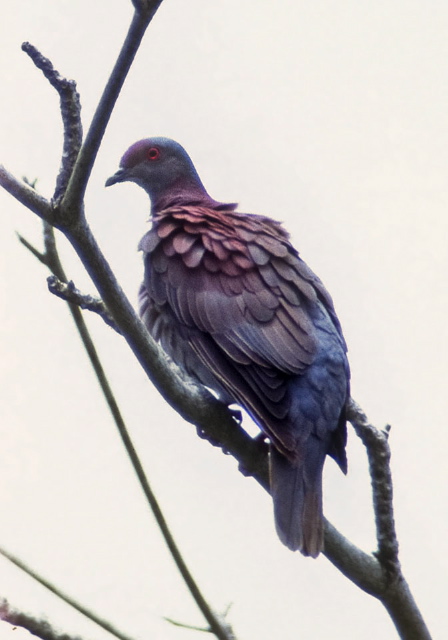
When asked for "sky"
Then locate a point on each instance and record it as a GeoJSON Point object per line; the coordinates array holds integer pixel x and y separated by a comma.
{"type": "Point", "coordinates": [329, 116]}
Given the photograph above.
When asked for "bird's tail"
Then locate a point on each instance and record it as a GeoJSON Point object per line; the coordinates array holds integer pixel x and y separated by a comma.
{"type": "Point", "coordinates": [297, 495]}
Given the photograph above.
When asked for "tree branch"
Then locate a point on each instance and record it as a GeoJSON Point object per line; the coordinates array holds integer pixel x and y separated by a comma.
{"type": "Point", "coordinates": [37, 627]}
{"type": "Point", "coordinates": [70, 111]}
{"type": "Point", "coordinates": [65, 597]}
{"type": "Point", "coordinates": [176, 623]}
{"type": "Point", "coordinates": [68, 292]}
{"type": "Point", "coordinates": [378, 453]}
{"type": "Point", "coordinates": [26, 195]}
{"type": "Point", "coordinates": [74, 195]}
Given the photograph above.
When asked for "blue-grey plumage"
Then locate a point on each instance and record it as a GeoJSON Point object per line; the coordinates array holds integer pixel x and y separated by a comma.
{"type": "Point", "coordinates": [231, 301]}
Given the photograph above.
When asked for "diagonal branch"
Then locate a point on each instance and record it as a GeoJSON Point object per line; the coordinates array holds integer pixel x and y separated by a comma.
{"type": "Point", "coordinates": [144, 12]}
{"type": "Point", "coordinates": [65, 597]}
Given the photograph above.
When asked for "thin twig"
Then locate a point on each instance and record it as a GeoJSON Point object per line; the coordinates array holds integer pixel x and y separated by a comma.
{"type": "Point", "coordinates": [65, 597]}
{"type": "Point", "coordinates": [68, 292]}
{"type": "Point", "coordinates": [32, 249]}
{"type": "Point", "coordinates": [183, 625]}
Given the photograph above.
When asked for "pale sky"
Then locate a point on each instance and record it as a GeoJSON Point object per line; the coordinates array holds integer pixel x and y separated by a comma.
{"type": "Point", "coordinates": [329, 116]}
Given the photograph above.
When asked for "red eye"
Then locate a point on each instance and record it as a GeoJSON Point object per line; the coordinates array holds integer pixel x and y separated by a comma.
{"type": "Point", "coordinates": [153, 153]}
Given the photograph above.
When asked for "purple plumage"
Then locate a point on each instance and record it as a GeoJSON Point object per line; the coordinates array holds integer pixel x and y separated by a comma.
{"type": "Point", "coordinates": [230, 301]}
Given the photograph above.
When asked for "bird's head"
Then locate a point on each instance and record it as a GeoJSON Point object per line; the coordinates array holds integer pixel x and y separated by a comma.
{"type": "Point", "coordinates": [162, 168]}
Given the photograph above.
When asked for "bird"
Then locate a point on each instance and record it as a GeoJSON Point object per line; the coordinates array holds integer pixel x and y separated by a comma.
{"type": "Point", "coordinates": [232, 303]}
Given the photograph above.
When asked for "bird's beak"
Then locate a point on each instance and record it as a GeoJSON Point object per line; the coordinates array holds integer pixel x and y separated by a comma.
{"type": "Point", "coordinates": [119, 176]}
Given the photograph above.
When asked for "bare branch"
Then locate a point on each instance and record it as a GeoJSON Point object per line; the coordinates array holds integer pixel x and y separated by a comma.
{"type": "Point", "coordinates": [210, 416]}
{"type": "Point", "coordinates": [63, 596]}
{"type": "Point", "coordinates": [385, 580]}
{"type": "Point", "coordinates": [32, 249]}
{"type": "Point", "coordinates": [378, 453]}
{"type": "Point", "coordinates": [37, 627]}
{"type": "Point", "coordinates": [69, 293]}
{"type": "Point", "coordinates": [362, 568]}
{"type": "Point", "coordinates": [176, 623]}
{"type": "Point", "coordinates": [70, 111]}
{"type": "Point", "coordinates": [46, 66]}
{"type": "Point", "coordinates": [26, 195]}
{"type": "Point", "coordinates": [402, 608]}
{"type": "Point", "coordinates": [182, 625]}
{"type": "Point", "coordinates": [144, 12]}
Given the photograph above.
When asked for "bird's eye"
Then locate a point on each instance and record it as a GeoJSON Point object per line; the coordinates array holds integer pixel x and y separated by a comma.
{"type": "Point", "coordinates": [153, 153]}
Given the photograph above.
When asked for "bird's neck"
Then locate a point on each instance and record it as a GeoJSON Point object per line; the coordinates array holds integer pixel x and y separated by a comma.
{"type": "Point", "coordinates": [187, 195]}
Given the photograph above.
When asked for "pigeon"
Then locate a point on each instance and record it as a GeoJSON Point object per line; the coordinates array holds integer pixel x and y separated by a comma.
{"type": "Point", "coordinates": [231, 302]}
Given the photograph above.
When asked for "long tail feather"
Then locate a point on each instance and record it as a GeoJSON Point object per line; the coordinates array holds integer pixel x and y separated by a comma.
{"type": "Point", "coordinates": [297, 496]}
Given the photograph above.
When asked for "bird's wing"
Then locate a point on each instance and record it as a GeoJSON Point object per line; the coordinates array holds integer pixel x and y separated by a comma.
{"type": "Point", "coordinates": [242, 298]}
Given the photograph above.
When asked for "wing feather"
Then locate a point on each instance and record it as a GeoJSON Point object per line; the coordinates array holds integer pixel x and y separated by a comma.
{"type": "Point", "coordinates": [241, 298]}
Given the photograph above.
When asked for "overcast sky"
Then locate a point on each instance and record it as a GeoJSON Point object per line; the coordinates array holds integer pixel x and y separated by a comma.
{"type": "Point", "coordinates": [330, 116]}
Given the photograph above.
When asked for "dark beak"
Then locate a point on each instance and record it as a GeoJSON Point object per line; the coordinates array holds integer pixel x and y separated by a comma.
{"type": "Point", "coordinates": [119, 176]}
